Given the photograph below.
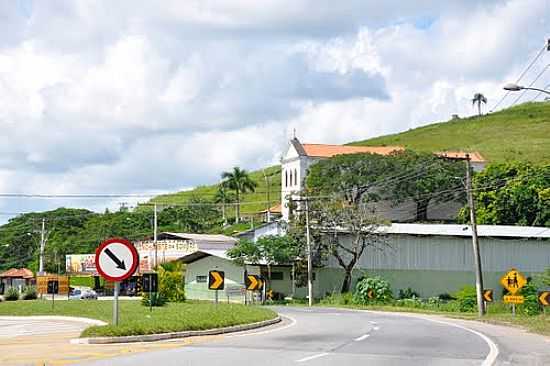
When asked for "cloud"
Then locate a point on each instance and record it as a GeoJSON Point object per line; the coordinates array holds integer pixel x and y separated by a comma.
{"type": "Point", "coordinates": [135, 97]}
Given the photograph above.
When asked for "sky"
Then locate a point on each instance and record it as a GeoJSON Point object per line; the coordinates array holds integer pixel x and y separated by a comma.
{"type": "Point", "coordinates": [144, 97]}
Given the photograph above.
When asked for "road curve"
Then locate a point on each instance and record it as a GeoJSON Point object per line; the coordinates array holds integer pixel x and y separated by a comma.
{"type": "Point", "coordinates": [322, 336]}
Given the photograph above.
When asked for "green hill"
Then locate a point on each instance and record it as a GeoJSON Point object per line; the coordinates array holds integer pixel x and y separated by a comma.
{"type": "Point", "coordinates": [518, 133]}
{"type": "Point", "coordinates": [249, 201]}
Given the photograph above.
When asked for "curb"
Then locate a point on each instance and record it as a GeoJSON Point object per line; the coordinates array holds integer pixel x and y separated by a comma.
{"type": "Point", "coordinates": [174, 335]}
{"type": "Point", "coordinates": [55, 317]}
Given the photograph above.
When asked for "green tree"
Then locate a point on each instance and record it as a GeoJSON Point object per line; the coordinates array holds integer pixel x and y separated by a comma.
{"type": "Point", "coordinates": [513, 193]}
{"type": "Point", "coordinates": [239, 180]}
{"type": "Point", "coordinates": [429, 176]}
{"type": "Point", "coordinates": [277, 250]}
{"type": "Point", "coordinates": [478, 99]}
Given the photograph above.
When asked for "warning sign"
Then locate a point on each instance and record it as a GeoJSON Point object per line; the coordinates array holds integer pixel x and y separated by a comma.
{"type": "Point", "coordinates": [513, 281]}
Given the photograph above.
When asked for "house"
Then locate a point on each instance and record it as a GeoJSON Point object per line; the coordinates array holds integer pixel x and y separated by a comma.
{"type": "Point", "coordinates": [299, 157]}
{"type": "Point", "coordinates": [431, 259]}
{"type": "Point", "coordinates": [16, 277]}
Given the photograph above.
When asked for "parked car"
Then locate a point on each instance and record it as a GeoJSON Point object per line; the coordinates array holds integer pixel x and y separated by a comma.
{"type": "Point", "coordinates": [83, 293]}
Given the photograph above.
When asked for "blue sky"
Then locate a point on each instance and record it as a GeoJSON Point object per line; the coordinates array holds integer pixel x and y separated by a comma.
{"type": "Point", "coordinates": [132, 97]}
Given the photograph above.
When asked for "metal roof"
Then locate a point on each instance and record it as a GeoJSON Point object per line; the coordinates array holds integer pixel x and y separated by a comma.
{"type": "Point", "coordinates": [200, 238]}
{"type": "Point", "coordinates": [465, 230]}
{"type": "Point", "coordinates": [199, 254]}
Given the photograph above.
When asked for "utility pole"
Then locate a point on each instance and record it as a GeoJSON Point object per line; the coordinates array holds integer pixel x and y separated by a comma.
{"type": "Point", "coordinates": [309, 260]}
{"type": "Point", "coordinates": [155, 234]}
{"type": "Point", "coordinates": [268, 203]}
{"type": "Point", "coordinates": [475, 242]}
{"type": "Point", "coordinates": [42, 247]}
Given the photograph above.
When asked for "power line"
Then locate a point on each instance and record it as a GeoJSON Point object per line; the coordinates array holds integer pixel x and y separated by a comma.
{"type": "Point", "coordinates": [522, 75]}
{"type": "Point", "coordinates": [530, 85]}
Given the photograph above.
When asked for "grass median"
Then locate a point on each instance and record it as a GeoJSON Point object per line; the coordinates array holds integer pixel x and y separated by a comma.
{"type": "Point", "coordinates": [135, 319]}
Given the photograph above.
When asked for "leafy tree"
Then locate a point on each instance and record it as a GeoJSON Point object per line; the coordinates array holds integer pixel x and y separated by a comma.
{"type": "Point", "coordinates": [513, 193]}
{"type": "Point", "coordinates": [478, 99]}
{"type": "Point", "coordinates": [239, 180]}
{"type": "Point", "coordinates": [246, 251]}
{"type": "Point", "coordinates": [430, 175]}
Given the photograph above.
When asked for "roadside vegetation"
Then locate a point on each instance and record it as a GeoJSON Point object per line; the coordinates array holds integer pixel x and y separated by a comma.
{"type": "Point", "coordinates": [136, 319]}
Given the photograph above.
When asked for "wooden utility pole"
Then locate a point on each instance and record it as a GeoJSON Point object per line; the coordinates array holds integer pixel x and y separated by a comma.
{"type": "Point", "coordinates": [42, 247]}
{"type": "Point", "coordinates": [155, 228]}
{"type": "Point", "coordinates": [309, 259]}
{"type": "Point", "coordinates": [475, 242]}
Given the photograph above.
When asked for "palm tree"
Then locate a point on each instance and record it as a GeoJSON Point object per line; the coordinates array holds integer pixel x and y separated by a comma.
{"type": "Point", "coordinates": [239, 181]}
{"type": "Point", "coordinates": [223, 196]}
{"type": "Point", "coordinates": [479, 98]}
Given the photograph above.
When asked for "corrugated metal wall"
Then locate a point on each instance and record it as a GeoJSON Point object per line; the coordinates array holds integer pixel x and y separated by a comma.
{"type": "Point", "coordinates": [408, 252]}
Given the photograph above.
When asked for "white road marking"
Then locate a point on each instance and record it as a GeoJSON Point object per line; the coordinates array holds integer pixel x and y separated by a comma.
{"type": "Point", "coordinates": [376, 328]}
{"type": "Point", "coordinates": [292, 323]}
{"type": "Point", "coordinates": [373, 323]}
{"type": "Point", "coordinates": [363, 337]}
{"type": "Point", "coordinates": [312, 357]}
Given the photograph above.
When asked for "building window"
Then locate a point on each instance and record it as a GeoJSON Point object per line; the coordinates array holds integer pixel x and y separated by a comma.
{"type": "Point", "coordinates": [201, 279]}
{"type": "Point", "coordinates": [286, 178]}
{"type": "Point", "coordinates": [291, 178]}
{"type": "Point", "coordinates": [295, 178]}
{"type": "Point", "coordinates": [277, 276]}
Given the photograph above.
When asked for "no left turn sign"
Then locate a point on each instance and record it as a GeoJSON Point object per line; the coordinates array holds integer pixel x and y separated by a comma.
{"type": "Point", "coordinates": [116, 259]}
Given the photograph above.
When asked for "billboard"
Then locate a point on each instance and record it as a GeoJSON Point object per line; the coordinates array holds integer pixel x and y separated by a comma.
{"type": "Point", "coordinates": [80, 264]}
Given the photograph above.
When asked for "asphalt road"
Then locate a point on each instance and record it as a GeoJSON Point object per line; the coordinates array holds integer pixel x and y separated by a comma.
{"type": "Point", "coordinates": [332, 337]}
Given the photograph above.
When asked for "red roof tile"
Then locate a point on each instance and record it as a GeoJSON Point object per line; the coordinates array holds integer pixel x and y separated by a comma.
{"type": "Point", "coordinates": [18, 273]}
{"type": "Point", "coordinates": [327, 151]}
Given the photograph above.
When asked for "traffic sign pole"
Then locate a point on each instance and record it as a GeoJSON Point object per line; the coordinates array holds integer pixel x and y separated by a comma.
{"type": "Point", "coordinates": [115, 303]}
{"type": "Point", "coordinates": [150, 294]}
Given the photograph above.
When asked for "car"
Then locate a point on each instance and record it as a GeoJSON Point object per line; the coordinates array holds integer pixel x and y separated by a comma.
{"type": "Point", "coordinates": [83, 293]}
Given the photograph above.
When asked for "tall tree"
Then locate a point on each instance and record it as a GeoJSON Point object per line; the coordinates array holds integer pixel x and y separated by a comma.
{"type": "Point", "coordinates": [239, 180]}
{"type": "Point", "coordinates": [478, 99]}
{"type": "Point", "coordinates": [347, 231]}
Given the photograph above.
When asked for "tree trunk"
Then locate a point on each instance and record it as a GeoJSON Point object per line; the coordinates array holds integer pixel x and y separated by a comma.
{"type": "Point", "coordinates": [422, 210]}
{"type": "Point", "coordinates": [223, 212]}
{"type": "Point", "coordinates": [346, 284]}
{"type": "Point", "coordinates": [238, 208]}
{"type": "Point", "coordinates": [479, 108]}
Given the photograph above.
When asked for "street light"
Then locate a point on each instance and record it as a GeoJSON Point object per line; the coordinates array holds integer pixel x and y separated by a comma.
{"type": "Point", "coordinates": [516, 87]}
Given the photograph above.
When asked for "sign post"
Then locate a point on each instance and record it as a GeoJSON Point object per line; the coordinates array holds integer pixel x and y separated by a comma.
{"type": "Point", "coordinates": [216, 281]}
{"type": "Point", "coordinates": [116, 260]}
{"type": "Point", "coordinates": [513, 281]}
{"type": "Point", "coordinates": [53, 288]}
{"type": "Point", "coordinates": [150, 284]}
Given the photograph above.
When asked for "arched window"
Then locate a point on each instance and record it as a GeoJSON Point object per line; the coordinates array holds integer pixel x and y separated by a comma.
{"type": "Point", "coordinates": [295, 178]}
{"type": "Point", "coordinates": [291, 178]}
{"type": "Point", "coordinates": [286, 178]}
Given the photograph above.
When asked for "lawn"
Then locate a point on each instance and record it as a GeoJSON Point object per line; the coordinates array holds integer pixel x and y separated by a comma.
{"type": "Point", "coordinates": [135, 319]}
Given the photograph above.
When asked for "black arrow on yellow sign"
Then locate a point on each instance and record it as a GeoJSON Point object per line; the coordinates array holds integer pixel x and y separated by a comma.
{"type": "Point", "coordinates": [544, 298]}
{"type": "Point", "coordinates": [252, 282]}
{"type": "Point", "coordinates": [216, 280]}
{"type": "Point", "coordinates": [488, 295]}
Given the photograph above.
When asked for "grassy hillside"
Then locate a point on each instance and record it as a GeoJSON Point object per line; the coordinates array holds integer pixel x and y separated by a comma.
{"type": "Point", "coordinates": [518, 133]}
{"type": "Point", "coordinates": [249, 201]}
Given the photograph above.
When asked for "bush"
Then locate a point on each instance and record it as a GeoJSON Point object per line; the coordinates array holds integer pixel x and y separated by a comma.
{"type": "Point", "coordinates": [409, 293]}
{"type": "Point", "coordinates": [157, 299]}
{"type": "Point", "coordinates": [531, 305]}
{"type": "Point", "coordinates": [467, 299]}
{"type": "Point", "coordinates": [30, 293]}
{"type": "Point", "coordinates": [172, 283]}
{"type": "Point", "coordinates": [12, 294]}
{"type": "Point", "coordinates": [446, 297]}
{"type": "Point", "coordinates": [377, 286]}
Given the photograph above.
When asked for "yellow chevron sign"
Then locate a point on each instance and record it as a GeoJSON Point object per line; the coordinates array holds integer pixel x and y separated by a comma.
{"type": "Point", "coordinates": [216, 280]}
{"type": "Point", "coordinates": [253, 282]}
{"type": "Point", "coordinates": [544, 298]}
{"type": "Point", "coordinates": [488, 295]}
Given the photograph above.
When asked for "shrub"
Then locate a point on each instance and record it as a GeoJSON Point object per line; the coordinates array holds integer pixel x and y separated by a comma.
{"type": "Point", "coordinates": [531, 305]}
{"type": "Point", "coordinates": [157, 299]}
{"type": "Point", "coordinates": [12, 294]}
{"type": "Point", "coordinates": [377, 286]}
{"type": "Point", "coordinates": [446, 297]}
{"type": "Point", "coordinates": [409, 293]}
{"type": "Point", "coordinates": [172, 283]}
{"type": "Point", "coordinates": [466, 298]}
{"type": "Point", "coordinates": [30, 293]}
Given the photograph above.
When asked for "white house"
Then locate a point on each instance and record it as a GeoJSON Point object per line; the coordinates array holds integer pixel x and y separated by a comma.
{"type": "Point", "coordinates": [299, 157]}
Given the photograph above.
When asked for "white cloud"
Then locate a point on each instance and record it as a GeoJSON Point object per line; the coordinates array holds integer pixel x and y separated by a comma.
{"type": "Point", "coordinates": [133, 97]}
